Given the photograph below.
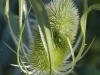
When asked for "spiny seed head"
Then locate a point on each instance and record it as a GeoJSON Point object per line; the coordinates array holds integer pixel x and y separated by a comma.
{"type": "Point", "coordinates": [63, 18]}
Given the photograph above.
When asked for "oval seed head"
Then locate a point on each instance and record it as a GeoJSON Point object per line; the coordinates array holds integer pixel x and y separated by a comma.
{"type": "Point", "coordinates": [63, 18]}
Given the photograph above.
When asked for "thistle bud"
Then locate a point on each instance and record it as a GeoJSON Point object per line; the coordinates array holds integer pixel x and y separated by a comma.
{"type": "Point", "coordinates": [63, 16]}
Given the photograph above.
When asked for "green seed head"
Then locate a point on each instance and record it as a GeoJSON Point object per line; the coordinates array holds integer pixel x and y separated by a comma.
{"type": "Point", "coordinates": [64, 23]}
{"type": "Point", "coordinates": [63, 18]}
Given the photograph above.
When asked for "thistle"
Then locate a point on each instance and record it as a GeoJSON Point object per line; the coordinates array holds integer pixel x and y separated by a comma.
{"type": "Point", "coordinates": [37, 58]}
{"type": "Point", "coordinates": [63, 18]}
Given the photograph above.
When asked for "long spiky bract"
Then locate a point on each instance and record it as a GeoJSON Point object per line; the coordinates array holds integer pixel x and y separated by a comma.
{"type": "Point", "coordinates": [44, 29]}
{"type": "Point", "coordinates": [83, 27]}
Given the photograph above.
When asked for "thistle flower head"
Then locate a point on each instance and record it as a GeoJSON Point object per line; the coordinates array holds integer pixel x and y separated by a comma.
{"type": "Point", "coordinates": [63, 18]}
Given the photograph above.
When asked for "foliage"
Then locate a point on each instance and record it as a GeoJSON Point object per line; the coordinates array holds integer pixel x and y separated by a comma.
{"type": "Point", "coordinates": [45, 32]}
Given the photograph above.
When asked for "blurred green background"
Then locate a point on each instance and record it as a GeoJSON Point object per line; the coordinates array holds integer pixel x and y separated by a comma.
{"type": "Point", "coordinates": [88, 65]}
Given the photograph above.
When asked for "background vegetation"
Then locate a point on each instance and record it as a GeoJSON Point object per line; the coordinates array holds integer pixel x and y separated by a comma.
{"type": "Point", "coordinates": [88, 65]}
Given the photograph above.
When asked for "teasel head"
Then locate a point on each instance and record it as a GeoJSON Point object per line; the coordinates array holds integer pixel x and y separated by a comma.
{"type": "Point", "coordinates": [63, 17]}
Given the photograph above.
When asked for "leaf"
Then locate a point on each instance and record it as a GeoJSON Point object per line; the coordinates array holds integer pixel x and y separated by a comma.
{"type": "Point", "coordinates": [21, 4]}
{"type": "Point", "coordinates": [19, 60]}
{"type": "Point", "coordinates": [8, 21]}
{"type": "Point", "coordinates": [44, 28]}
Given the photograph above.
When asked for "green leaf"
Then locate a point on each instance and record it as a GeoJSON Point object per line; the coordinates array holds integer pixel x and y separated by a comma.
{"type": "Point", "coordinates": [21, 5]}
{"type": "Point", "coordinates": [44, 28]}
{"type": "Point", "coordinates": [85, 5]}
{"type": "Point", "coordinates": [7, 8]}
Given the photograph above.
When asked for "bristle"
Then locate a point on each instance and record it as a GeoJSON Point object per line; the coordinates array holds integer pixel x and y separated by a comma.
{"type": "Point", "coordinates": [38, 56]}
